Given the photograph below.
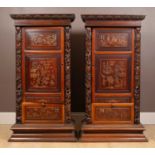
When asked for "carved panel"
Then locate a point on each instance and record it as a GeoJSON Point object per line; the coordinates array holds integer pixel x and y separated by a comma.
{"type": "Point", "coordinates": [113, 73]}
{"type": "Point", "coordinates": [113, 40]}
{"type": "Point", "coordinates": [42, 39]}
{"type": "Point", "coordinates": [103, 99]}
{"type": "Point", "coordinates": [43, 73]}
{"type": "Point", "coordinates": [111, 114]}
{"type": "Point", "coordinates": [37, 113]}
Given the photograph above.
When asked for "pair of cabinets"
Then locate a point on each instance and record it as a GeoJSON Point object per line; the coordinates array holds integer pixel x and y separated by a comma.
{"type": "Point", "coordinates": [43, 78]}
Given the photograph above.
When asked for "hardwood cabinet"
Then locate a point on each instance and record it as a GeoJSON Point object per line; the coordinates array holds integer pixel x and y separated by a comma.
{"type": "Point", "coordinates": [43, 92]}
{"type": "Point", "coordinates": [112, 78]}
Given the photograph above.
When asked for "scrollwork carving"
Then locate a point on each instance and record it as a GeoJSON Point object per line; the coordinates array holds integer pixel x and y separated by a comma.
{"type": "Point", "coordinates": [18, 73]}
{"type": "Point", "coordinates": [88, 73]}
{"type": "Point", "coordinates": [67, 75]}
{"type": "Point", "coordinates": [137, 76]}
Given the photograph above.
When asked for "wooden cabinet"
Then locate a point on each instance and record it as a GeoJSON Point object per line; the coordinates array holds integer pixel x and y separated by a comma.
{"type": "Point", "coordinates": [43, 92]}
{"type": "Point", "coordinates": [112, 78]}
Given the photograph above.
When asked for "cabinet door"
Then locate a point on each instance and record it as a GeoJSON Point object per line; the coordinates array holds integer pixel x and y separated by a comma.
{"type": "Point", "coordinates": [112, 70]}
{"type": "Point", "coordinates": [43, 74]}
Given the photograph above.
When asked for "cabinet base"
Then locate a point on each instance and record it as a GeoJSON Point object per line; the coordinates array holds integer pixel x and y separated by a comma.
{"type": "Point", "coordinates": [43, 133]}
{"type": "Point", "coordinates": [112, 133]}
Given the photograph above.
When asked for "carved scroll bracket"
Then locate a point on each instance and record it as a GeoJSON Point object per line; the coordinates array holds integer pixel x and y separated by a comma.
{"type": "Point", "coordinates": [137, 76]}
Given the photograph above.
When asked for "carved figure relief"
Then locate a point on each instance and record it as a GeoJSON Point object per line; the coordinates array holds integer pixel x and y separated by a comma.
{"type": "Point", "coordinates": [43, 39]}
{"type": "Point", "coordinates": [113, 74]}
{"type": "Point", "coordinates": [113, 39]}
{"type": "Point", "coordinates": [43, 73]}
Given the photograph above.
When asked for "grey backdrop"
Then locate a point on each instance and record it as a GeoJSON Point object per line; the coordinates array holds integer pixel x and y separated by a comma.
{"type": "Point", "coordinates": [7, 54]}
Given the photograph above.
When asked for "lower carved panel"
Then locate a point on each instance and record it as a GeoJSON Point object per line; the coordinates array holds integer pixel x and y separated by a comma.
{"type": "Point", "coordinates": [112, 113]}
{"type": "Point", "coordinates": [42, 113]}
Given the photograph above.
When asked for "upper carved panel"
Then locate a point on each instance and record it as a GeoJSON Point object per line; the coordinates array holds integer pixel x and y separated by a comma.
{"type": "Point", "coordinates": [41, 39]}
{"type": "Point", "coordinates": [113, 40]}
{"type": "Point", "coordinates": [112, 73]}
{"type": "Point", "coordinates": [43, 73]}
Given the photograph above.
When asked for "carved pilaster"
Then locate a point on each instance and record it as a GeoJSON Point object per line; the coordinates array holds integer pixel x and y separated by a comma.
{"type": "Point", "coordinates": [18, 73]}
{"type": "Point", "coordinates": [67, 75]}
{"type": "Point", "coordinates": [137, 76]}
{"type": "Point", "coordinates": [88, 74]}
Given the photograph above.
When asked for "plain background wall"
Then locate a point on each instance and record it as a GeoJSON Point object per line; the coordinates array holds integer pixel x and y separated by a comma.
{"type": "Point", "coordinates": [7, 54]}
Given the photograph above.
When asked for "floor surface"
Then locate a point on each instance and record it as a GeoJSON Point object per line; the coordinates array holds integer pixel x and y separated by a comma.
{"type": "Point", "coordinates": [5, 134]}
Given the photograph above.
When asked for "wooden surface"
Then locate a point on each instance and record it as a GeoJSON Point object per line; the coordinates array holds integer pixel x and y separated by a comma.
{"type": "Point", "coordinates": [112, 77]}
{"type": "Point", "coordinates": [43, 133]}
{"type": "Point", "coordinates": [43, 19]}
{"type": "Point", "coordinates": [43, 77]}
{"type": "Point", "coordinates": [112, 133]}
{"type": "Point", "coordinates": [113, 20]}
{"type": "Point", "coordinates": [6, 132]}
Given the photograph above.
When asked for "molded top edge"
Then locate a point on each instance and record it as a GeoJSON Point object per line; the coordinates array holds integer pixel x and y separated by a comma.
{"type": "Point", "coordinates": [71, 17]}
{"type": "Point", "coordinates": [86, 17]}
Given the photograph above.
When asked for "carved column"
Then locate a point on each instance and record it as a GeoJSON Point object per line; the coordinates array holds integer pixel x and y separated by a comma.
{"type": "Point", "coordinates": [67, 75]}
{"type": "Point", "coordinates": [88, 74]}
{"type": "Point", "coordinates": [137, 76]}
{"type": "Point", "coordinates": [18, 73]}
